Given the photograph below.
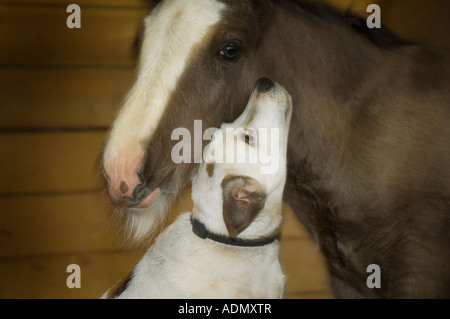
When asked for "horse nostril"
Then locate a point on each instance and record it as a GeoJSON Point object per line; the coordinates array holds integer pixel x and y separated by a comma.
{"type": "Point", "coordinates": [123, 187]}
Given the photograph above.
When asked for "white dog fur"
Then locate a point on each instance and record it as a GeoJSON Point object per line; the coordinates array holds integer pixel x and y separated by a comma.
{"type": "Point", "coordinates": [234, 201]}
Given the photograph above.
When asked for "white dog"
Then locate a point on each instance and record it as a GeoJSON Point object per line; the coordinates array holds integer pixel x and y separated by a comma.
{"type": "Point", "coordinates": [227, 247]}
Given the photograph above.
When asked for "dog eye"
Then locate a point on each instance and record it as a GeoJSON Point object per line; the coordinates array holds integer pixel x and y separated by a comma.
{"type": "Point", "coordinates": [230, 51]}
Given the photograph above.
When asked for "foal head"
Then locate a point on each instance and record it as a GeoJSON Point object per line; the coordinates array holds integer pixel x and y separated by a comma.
{"type": "Point", "coordinates": [197, 62]}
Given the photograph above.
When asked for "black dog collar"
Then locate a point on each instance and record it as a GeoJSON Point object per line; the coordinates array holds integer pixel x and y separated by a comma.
{"type": "Point", "coordinates": [200, 230]}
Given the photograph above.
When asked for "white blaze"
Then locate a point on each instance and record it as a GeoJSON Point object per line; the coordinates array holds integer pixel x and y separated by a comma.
{"type": "Point", "coordinates": [172, 31]}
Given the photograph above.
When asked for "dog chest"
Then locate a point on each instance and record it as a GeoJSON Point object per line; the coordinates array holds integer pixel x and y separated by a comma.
{"type": "Point", "coordinates": [182, 265]}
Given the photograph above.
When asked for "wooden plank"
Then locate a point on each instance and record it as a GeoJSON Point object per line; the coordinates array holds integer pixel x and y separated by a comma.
{"type": "Point", "coordinates": [50, 162]}
{"type": "Point", "coordinates": [67, 97]}
{"type": "Point", "coordinates": [304, 266]}
{"type": "Point", "coordinates": [39, 36]}
{"type": "Point", "coordinates": [310, 295]}
{"type": "Point", "coordinates": [414, 20]}
{"type": "Point", "coordinates": [82, 3]}
{"type": "Point", "coordinates": [56, 224]}
{"type": "Point", "coordinates": [427, 23]}
{"type": "Point", "coordinates": [291, 226]}
{"type": "Point", "coordinates": [45, 277]}
{"type": "Point", "coordinates": [49, 224]}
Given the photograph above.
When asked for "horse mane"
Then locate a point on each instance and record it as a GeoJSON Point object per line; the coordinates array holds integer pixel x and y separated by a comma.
{"type": "Point", "coordinates": [381, 37]}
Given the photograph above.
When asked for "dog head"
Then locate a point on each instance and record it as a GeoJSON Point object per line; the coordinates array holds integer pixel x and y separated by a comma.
{"type": "Point", "coordinates": [244, 168]}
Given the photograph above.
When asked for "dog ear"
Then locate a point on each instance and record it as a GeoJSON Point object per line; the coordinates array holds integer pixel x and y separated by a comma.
{"type": "Point", "coordinates": [243, 199]}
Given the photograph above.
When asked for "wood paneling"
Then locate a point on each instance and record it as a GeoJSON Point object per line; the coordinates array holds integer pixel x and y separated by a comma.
{"type": "Point", "coordinates": [45, 276]}
{"type": "Point", "coordinates": [418, 20]}
{"type": "Point", "coordinates": [291, 226]}
{"type": "Point", "coordinates": [304, 266]}
{"type": "Point", "coordinates": [423, 21]}
{"type": "Point", "coordinates": [36, 225]}
{"type": "Point", "coordinates": [39, 36]}
{"type": "Point", "coordinates": [50, 162]}
{"type": "Point", "coordinates": [83, 3]}
{"type": "Point", "coordinates": [55, 224]}
{"type": "Point", "coordinates": [61, 97]}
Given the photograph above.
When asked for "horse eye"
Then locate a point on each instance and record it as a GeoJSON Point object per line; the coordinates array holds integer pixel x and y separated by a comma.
{"type": "Point", "coordinates": [229, 51]}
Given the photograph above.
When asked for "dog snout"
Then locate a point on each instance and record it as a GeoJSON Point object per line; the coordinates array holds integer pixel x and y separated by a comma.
{"type": "Point", "coordinates": [264, 84]}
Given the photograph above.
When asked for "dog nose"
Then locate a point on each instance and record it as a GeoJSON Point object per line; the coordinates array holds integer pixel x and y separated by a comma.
{"type": "Point", "coordinates": [264, 85]}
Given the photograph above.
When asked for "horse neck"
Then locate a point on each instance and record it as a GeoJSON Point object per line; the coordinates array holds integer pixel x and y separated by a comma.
{"type": "Point", "coordinates": [327, 68]}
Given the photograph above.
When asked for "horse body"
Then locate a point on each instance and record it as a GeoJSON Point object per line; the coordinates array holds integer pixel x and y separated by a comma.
{"type": "Point", "coordinates": [377, 191]}
{"type": "Point", "coordinates": [368, 153]}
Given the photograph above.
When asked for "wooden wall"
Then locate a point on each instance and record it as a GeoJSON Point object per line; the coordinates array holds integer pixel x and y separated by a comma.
{"type": "Point", "coordinates": [60, 89]}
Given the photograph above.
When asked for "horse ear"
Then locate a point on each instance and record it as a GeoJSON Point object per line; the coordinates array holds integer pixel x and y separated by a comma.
{"type": "Point", "coordinates": [243, 199]}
